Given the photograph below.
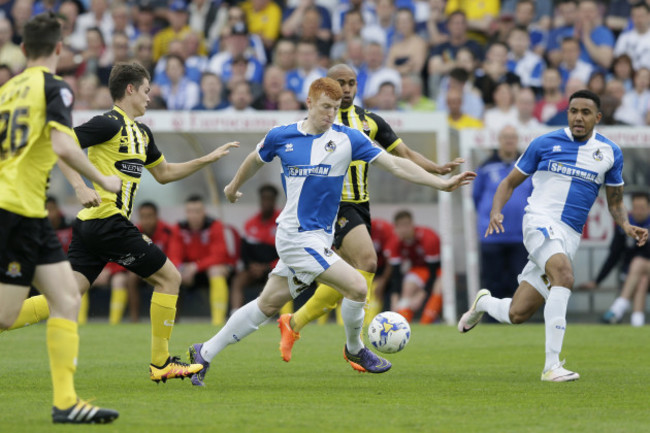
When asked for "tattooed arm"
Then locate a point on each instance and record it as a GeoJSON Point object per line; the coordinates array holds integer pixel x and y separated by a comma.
{"type": "Point", "coordinates": [619, 213]}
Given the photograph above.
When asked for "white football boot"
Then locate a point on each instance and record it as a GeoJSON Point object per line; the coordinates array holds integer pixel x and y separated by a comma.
{"type": "Point", "coordinates": [471, 318]}
{"type": "Point", "coordinates": [557, 373]}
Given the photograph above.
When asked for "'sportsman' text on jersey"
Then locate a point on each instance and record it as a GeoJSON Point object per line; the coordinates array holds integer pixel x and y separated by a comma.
{"type": "Point", "coordinates": [117, 146]}
{"type": "Point", "coordinates": [313, 168]}
{"type": "Point", "coordinates": [567, 174]}
{"type": "Point", "coordinates": [31, 104]}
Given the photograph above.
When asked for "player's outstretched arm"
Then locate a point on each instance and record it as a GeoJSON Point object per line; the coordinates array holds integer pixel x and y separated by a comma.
{"type": "Point", "coordinates": [246, 170]}
{"type": "Point", "coordinates": [166, 172]}
{"type": "Point", "coordinates": [408, 170]}
{"type": "Point", "coordinates": [501, 197]}
{"type": "Point", "coordinates": [69, 151]}
{"type": "Point", "coordinates": [87, 196]}
{"type": "Point", "coordinates": [619, 213]}
{"type": "Point", "coordinates": [402, 150]}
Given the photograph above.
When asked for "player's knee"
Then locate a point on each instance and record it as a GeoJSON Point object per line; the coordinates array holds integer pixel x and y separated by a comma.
{"type": "Point", "coordinates": [638, 265]}
{"type": "Point", "coordinates": [563, 277]}
{"type": "Point", "coordinates": [517, 317]}
{"type": "Point", "coordinates": [358, 289]}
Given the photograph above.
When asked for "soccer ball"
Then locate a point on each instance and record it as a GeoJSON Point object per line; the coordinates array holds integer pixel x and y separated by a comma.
{"type": "Point", "coordinates": [389, 332]}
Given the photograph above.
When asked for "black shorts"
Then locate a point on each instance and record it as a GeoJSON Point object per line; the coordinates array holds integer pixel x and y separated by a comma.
{"type": "Point", "coordinates": [350, 215]}
{"type": "Point", "coordinates": [24, 244]}
{"type": "Point", "coordinates": [113, 239]}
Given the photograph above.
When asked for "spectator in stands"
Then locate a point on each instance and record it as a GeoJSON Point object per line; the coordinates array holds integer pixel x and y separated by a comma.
{"type": "Point", "coordinates": [535, 17]}
{"type": "Point", "coordinates": [635, 267]}
{"type": "Point", "coordinates": [264, 18]}
{"type": "Point", "coordinates": [572, 86]}
{"type": "Point", "coordinates": [618, 14]}
{"type": "Point", "coordinates": [21, 12]}
{"type": "Point", "coordinates": [119, 51]}
{"type": "Point", "coordinates": [525, 103]}
{"type": "Point", "coordinates": [502, 257]}
{"type": "Point", "coordinates": [211, 93]}
{"type": "Point", "coordinates": [382, 234]}
{"type": "Point", "coordinates": [412, 97]}
{"type": "Point", "coordinates": [307, 69]}
{"type": "Point", "coordinates": [522, 61]}
{"type": "Point", "coordinates": [383, 30]}
{"type": "Point", "coordinates": [366, 8]}
{"type": "Point", "coordinates": [197, 247]}
{"type": "Point", "coordinates": [596, 83]}
{"type": "Point", "coordinates": [236, 19]}
{"type": "Point", "coordinates": [417, 248]}
{"type": "Point", "coordinates": [5, 74]}
{"type": "Point", "coordinates": [504, 111]}
{"type": "Point", "coordinates": [437, 23]}
{"type": "Point", "coordinates": [622, 70]}
{"type": "Point", "coordinates": [240, 98]}
{"type": "Point", "coordinates": [504, 25]}
{"type": "Point", "coordinates": [122, 19]}
{"type": "Point", "coordinates": [284, 55]}
{"type": "Point", "coordinates": [457, 118]}
{"type": "Point", "coordinates": [258, 252]}
{"type": "Point", "coordinates": [472, 102]}
{"type": "Point", "coordinates": [552, 100]}
{"type": "Point", "coordinates": [636, 41]}
{"type": "Point", "coordinates": [386, 98]}
{"type": "Point", "coordinates": [407, 55]}
{"type": "Point", "coordinates": [567, 14]}
{"type": "Point", "coordinates": [103, 100]}
{"type": "Point", "coordinates": [310, 30]}
{"type": "Point", "coordinates": [287, 101]}
{"type": "Point", "coordinates": [97, 17]}
{"type": "Point", "coordinates": [274, 82]}
{"type": "Point", "coordinates": [207, 17]}
{"type": "Point", "coordinates": [143, 52]}
{"type": "Point", "coordinates": [177, 16]}
{"type": "Point", "coordinates": [59, 223]}
{"type": "Point", "coordinates": [352, 28]}
{"type": "Point", "coordinates": [493, 71]}
{"type": "Point", "coordinates": [144, 20]}
{"type": "Point", "coordinates": [10, 53]}
{"type": "Point", "coordinates": [638, 99]}
{"type": "Point", "coordinates": [239, 74]}
{"type": "Point", "coordinates": [623, 115]}
{"type": "Point", "coordinates": [374, 74]}
{"type": "Point", "coordinates": [353, 55]}
{"type": "Point", "coordinates": [480, 15]}
{"type": "Point", "coordinates": [293, 16]}
{"type": "Point", "coordinates": [236, 45]}
{"type": "Point", "coordinates": [443, 56]}
{"type": "Point", "coordinates": [180, 93]}
{"type": "Point", "coordinates": [87, 86]}
{"type": "Point", "coordinates": [70, 11]}
{"type": "Point", "coordinates": [95, 55]}
{"type": "Point", "coordinates": [571, 65]}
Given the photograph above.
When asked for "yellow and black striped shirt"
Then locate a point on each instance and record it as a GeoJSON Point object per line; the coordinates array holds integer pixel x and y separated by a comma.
{"type": "Point", "coordinates": [117, 146]}
{"type": "Point", "coordinates": [31, 104]}
{"type": "Point", "coordinates": [355, 186]}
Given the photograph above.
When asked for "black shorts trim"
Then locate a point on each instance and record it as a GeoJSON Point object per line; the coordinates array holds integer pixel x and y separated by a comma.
{"type": "Point", "coordinates": [26, 243]}
{"type": "Point", "coordinates": [114, 239]}
{"type": "Point", "coordinates": [350, 216]}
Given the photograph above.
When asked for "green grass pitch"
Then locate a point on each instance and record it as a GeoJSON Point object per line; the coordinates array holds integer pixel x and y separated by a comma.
{"type": "Point", "coordinates": [484, 381]}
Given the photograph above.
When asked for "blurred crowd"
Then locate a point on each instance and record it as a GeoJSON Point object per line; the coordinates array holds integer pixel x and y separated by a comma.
{"type": "Point", "coordinates": [485, 62]}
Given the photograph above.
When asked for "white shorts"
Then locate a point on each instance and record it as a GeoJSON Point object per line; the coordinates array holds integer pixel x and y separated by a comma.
{"type": "Point", "coordinates": [543, 238]}
{"type": "Point", "coordinates": [303, 257]}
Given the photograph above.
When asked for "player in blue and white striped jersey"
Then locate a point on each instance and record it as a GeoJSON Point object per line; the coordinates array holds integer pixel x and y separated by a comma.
{"type": "Point", "coordinates": [568, 168]}
{"type": "Point", "coordinates": [315, 156]}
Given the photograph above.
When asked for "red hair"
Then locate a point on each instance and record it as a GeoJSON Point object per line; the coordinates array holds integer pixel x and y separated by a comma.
{"type": "Point", "coordinates": [326, 86]}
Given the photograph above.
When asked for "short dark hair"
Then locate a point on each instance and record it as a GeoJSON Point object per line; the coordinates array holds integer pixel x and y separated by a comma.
{"type": "Point", "coordinates": [124, 74]}
{"type": "Point", "coordinates": [41, 34]}
{"type": "Point", "coordinates": [177, 57]}
{"type": "Point", "coordinates": [459, 74]}
{"type": "Point", "coordinates": [641, 4]}
{"type": "Point", "coordinates": [150, 205]}
{"type": "Point", "coordinates": [403, 214]}
{"type": "Point", "coordinates": [51, 199]}
{"type": "Point", "coordinates": [640, 194]}
{"type": "Point", "coordinates": [267, 187]}
{"type": "Point", "coordinates": [457, 12]}
{"type": "Point", "coordinates": [193, 198]}
{"type": "Point", "coordinates": [586, 94]}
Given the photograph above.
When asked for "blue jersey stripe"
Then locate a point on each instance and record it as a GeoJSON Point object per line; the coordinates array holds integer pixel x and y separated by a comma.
{"type": "Point", "coordinates": [321, 261]}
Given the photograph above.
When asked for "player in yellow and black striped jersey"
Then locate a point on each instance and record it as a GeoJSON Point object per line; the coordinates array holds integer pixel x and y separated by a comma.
{"type": "Point", "coordinates": [102, 232]}
{"type": "Point", "coordinates": [352, 236]}
{"type": "Point", "coordinates": [35, 129]}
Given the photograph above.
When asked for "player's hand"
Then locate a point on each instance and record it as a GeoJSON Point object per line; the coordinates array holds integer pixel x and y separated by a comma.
{"type": "Point", "coordinates": [589, 285]}
{"type": "Point", "coordinates": [461, 179]}
{"type": "Point", "coordinates": [637, 233]}
{"type": "Point", "coordinates": [88, 197]}
{"type": "Point", "coordinates": [112, 184]}
{"type": "Point", "coordinates": [231, 194]}
{"type": "Point", "coordinates": [450, 166]}
{"type": "Point", "coordinates": [221, 151]}
{"type": "Point", "coordinates": [496, 224]}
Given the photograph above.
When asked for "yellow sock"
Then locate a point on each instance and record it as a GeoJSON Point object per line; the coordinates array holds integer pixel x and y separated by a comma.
{"type": "Point", "coordinates": [119, 298]}
{"type": "Point", "coordinates": [34, 310]}
{"type": "Point", "coordinates": [322, 320]}
{"type": "Point", "coordinates": [323, 301]}
{"type": "Point", "coordinates": [218, 299]}
{"type": "Point", "coordinates": [370, 297]}
{"type": "Point", "coordinates": [339, 316]}
{"type": "Point", "coordinates": [163, 312]}
{"type": "Point", "coordinates": [63, 348]}
{"type": "Point", "coordinates": [287, 308]}
{"type": "Point", "coordinates": [82, 319]}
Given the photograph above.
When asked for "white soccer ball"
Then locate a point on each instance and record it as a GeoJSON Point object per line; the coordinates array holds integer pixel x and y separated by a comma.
{"type": "Point", "coordinates": [389, 332]}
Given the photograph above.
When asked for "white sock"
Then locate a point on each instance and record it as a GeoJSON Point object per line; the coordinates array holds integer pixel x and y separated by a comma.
{"type": "Point", "coordinates": [620, 307]}
{"type": "Point", "coordinates": [555, 322]}
{"type": "Point", "coordinates": [495, 307]}
{"type": "Point", "coordinates": [244, 322]}
{"type": "Point", "coordinates": [352, 313]}
{"type": "Point", "coordinates": [638, 318]}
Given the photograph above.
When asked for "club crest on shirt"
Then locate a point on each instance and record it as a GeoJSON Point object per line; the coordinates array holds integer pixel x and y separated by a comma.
{"type": "Point", "coordinates": [288, 147]}
{"type": "Point", "coordinates": [557, 148]}
{"type": "Point", "coordinates": [13, 270]}
{"type": "Point", "coordinates": [328, 252]}
{"type": "Point", "coordinates": [598, 155]}
{"type": "Point", "coordinates": [330, 146]}
{"type": "Point", "coordinates": [342, 222]}
{"type": "Point", "coordinates": [147, 239]}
